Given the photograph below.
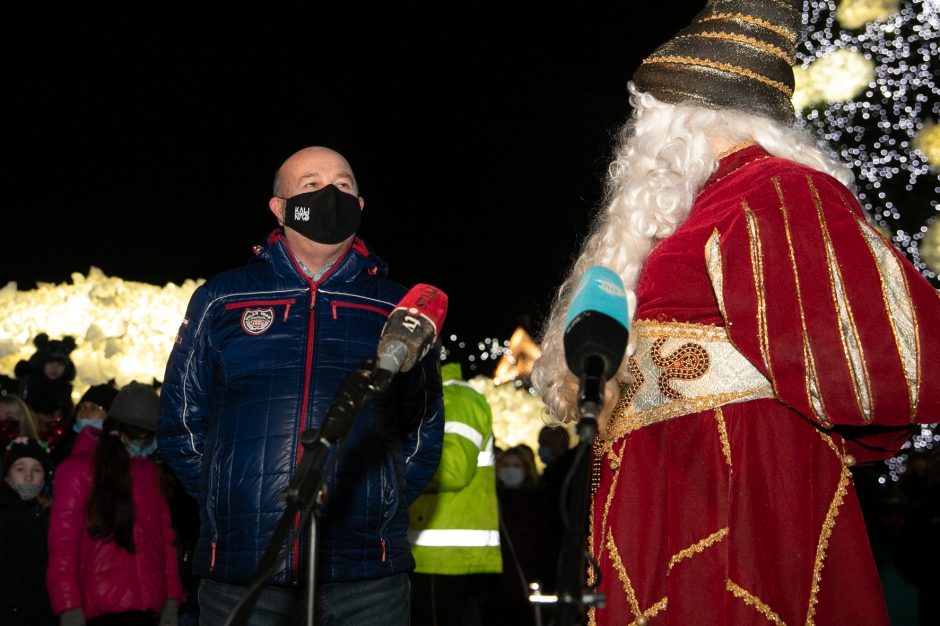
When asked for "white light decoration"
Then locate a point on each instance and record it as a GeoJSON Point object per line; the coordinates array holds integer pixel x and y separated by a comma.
{"type": "Point", "coordinates": [930, 246]}
{"type": "Point", "coordinates": [856, 13]}
{"type": "Point", "coordinates": [518, 414]}
{"type": "Point", "coordinates": [837, 76]}
{"type": "Point", "coordinates": [928, 142]}
{"type": "Point", "coordinates": [880, 132]}
{"type": "Point", "coordinates": [124, 330]}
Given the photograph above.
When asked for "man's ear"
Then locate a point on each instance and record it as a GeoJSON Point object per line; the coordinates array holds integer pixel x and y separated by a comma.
{"type": "Point", "coordinates": [277, 208]}
{"type": "Point", "coordinates": [362, 203]}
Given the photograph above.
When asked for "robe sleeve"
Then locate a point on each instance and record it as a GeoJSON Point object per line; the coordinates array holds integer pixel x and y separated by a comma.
{"type": "Point", "coordinates": [843, 326]}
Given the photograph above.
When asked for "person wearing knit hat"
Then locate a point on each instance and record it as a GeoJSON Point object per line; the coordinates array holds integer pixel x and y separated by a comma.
{"type": "Point", "coordinates": [111, 543]}
{"type": "Point", "coordinates": [45, 382]}
{"type": "Point", "coordinates": [90, 411]}
{"type": "Point", "coordinates": [28, 482]}
{"type": "Point", "coordinates": [24, 524]}
{"type": "Point", "coordinates": [138, 405]}
{"type": "Point", "coordinates": [47, 373]}
{"type": "Point", "coordinates": [777, 340]}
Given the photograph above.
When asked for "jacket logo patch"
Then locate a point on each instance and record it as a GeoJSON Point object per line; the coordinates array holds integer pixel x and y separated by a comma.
{"type": "Point", "coordinates": [257, 321]}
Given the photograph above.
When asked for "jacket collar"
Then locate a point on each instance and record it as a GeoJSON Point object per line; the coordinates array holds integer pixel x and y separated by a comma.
{"type": "Point", "coordinates": [355, 259]}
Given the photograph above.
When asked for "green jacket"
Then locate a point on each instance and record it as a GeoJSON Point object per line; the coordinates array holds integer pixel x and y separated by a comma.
{"type": "Point", "coordinates": [454, 526]}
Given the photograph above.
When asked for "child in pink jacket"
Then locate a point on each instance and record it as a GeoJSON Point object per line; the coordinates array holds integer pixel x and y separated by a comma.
{"type": "Point", "coordinates": [111, 553]}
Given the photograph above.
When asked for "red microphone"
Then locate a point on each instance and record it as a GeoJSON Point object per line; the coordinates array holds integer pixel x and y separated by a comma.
{"type": "Point", "coordinates": [410, 331]}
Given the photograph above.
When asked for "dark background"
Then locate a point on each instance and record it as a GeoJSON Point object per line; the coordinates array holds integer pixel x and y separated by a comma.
{"type": "Point", "coordinates": [481, 158]}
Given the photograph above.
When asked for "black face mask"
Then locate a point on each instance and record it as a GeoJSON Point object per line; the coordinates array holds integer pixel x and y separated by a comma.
{"type": "Point", "coordinates": [326, 215]}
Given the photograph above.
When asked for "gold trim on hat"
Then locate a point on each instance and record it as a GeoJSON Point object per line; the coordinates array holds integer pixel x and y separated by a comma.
{"type": "Point", "coordinates": [751, 41]}
{"type": "Point", "coordinates": [734, 69]}
{"type": "Point", "coordinates": [750, 19]}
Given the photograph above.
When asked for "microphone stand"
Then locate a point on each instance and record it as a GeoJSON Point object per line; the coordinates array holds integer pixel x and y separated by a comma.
{"type": "Point", "coordinates": [572, 595]}
{"type": "Point", "coordinates": [305, 491]}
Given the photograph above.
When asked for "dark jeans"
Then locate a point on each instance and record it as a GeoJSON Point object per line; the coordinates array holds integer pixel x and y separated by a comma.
{"type": "Point", "coordinates": [379, 602]}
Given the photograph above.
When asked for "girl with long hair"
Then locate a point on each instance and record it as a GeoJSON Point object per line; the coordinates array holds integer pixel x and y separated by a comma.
{"type": "Point", "coordinates": [16, 419]}
{"type": "Point", "coordinates": [111, 547]}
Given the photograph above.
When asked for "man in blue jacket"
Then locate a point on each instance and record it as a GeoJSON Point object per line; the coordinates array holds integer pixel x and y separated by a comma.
{"type": "Point", "coordinates": [258, 359]}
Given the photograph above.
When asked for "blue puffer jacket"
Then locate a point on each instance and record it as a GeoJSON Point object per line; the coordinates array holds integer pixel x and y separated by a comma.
{"type": "Point", "coordinates": [258, 359]}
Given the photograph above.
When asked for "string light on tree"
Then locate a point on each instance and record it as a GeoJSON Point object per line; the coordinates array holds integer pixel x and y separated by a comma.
{"type": "Point", "coordinates": [867, 75]}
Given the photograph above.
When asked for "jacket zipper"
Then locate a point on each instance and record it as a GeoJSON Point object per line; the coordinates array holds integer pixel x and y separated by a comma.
{"type": "Point", "coordinates": [305, 405]}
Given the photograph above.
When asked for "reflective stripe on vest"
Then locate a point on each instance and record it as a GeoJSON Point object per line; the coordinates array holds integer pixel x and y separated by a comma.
{"type": "Point", "coordinates": [465, 431]}
{"type": "Point", "coordinates": [487, 458]}
{"type": "Point", "coordinates": [449, 537]}
{"type": "Point", "coordinates": [461, 383]}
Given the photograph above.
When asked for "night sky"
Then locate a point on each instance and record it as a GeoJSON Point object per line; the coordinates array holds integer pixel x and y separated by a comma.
{"type": "Point", "coordinates": [481, 161]}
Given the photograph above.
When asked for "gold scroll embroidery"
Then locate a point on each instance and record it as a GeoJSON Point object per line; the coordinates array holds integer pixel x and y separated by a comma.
{"type": "Point", "coordinates": [688, 362]}
{"type": "Point", "coordinates": [711, 372]}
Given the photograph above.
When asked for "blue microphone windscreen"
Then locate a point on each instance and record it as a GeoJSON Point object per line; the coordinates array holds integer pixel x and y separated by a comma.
{"type": "Point", "coordinates": [601, 290]}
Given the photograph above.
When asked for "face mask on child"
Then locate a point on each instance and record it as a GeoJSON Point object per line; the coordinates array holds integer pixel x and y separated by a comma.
{"type": "Point", "coordinates": [82, 423]}
{"type": "Point", "coordinates": [139, 448]}
{"type": "Point", "coordinates": [26, 491]}
{"type": "Point", "coordinates": [512, 476]}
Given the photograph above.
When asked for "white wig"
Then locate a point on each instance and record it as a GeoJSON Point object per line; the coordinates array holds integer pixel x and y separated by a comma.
{"type": "Point", "coordinates": [665, 156]}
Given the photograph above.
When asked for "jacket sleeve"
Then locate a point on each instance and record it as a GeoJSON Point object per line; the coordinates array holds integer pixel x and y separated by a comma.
{"type": "Point", "coordinates": [467, 432]}
{"type": "Point", "coordinates": [423, 410]}
{"type": "Point", "coordinates": [67, 525]}
{"type": "Point", "coordinates": [184, 400]}
{"type": "Point", "coordinates": [838, 321]}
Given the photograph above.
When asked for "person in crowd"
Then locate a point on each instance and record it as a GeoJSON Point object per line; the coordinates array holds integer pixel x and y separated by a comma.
{"type": "Point", "coordinates": [777, 340]}
{"type": "Point", "coordinates": [91, 411]}
{"type": "Point", "coordinates": [24, 524]}
{"type": "Point", "coordinates": [556, 452]}
{"type": "Point", "coordinates": [16, 419]}
{"type": "Point", "coordinates": [45, 381]}
{"type": "Point", "coordinates": [258, 359]}
{"type": "Point", "coordinates": [522, 538]}
{"type": "Point", "coordinates": [111, 547]}
{"type": "Point", "coordinates": [454, 526]}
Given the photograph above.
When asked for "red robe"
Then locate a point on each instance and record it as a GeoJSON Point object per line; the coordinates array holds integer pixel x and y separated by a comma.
{"type": "Point", "coordinates": [745, 513]}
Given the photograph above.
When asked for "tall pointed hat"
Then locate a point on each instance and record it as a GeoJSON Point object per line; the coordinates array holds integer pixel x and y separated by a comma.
{"type": "Point", "coordinates": [736, 54]}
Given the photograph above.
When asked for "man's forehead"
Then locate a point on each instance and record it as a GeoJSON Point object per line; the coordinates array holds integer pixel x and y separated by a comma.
{"type": "Point", "coordinates": [318, 163]}
{"type": "Point", "coordinates": [341, 172]}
